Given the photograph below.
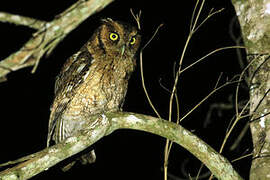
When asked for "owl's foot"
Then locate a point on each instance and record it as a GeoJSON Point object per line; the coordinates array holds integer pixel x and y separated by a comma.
{"type": "Point", "coordinates": [68, 166]}
{"type": "Point", "coordinates": [87, 158]}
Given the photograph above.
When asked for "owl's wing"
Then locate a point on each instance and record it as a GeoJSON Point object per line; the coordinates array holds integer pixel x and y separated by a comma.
{"type": "Point", "coordinates": [70, 77]}
{"type": "Point", "coordinates": [73, 71]}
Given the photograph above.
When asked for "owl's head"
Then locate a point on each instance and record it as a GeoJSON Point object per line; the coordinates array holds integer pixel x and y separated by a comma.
{"type": "Point", "coordinates": [117, 38]}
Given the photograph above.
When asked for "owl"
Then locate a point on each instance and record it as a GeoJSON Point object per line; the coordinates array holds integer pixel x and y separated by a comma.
{"type": "Point", "coordinates": [94, 80]}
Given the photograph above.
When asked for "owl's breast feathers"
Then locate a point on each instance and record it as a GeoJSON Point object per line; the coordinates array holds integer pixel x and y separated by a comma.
{"type": "Point", "coordinates": [87, 84]}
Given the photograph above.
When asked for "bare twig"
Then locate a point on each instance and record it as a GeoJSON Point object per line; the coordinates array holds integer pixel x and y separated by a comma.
{"type": "Point", "coordinates": [142, 75]}
{"type": "Point", "coordinates": [209, 54]}
{"type": "Point", "coordinates": [242, 157]}
{"type": "Point", "coordinates": [208, 17]}
{"type": "Point", "coordinates": [238, 85]}
{"type": "Point", "coordinates": [193, 28]}
{"type": "Point", "coordinates": [137, 18]}
{"type": "Point", "coordinates": [239, 137]}
{"type": "Point", "coordinates": [205, 98]}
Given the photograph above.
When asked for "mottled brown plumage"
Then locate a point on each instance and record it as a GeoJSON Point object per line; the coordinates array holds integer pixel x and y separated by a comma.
{"type": "Point", "coordinates": [94, 80]}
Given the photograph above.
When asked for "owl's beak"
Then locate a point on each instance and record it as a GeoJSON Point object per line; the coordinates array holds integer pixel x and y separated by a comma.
{"type": "Point", "coordinates": [123, 50]}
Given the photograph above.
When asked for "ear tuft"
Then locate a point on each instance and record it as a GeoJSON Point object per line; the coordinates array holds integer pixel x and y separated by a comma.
{"type": "Point", "coordinates": [107, 20]}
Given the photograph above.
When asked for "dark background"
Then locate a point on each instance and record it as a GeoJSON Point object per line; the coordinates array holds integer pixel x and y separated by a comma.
{"type": "Point", "coordinates": [126, 154]}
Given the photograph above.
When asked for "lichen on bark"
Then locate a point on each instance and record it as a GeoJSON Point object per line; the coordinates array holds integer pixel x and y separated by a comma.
{"type": "Point", "coordinates": [254, 19]}
{"type": "Point", "coordinates": [107, 124]}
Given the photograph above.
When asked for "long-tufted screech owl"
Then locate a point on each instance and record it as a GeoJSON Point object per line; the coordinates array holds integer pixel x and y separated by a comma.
{"type": "Point", "coordinates": [94, 80]}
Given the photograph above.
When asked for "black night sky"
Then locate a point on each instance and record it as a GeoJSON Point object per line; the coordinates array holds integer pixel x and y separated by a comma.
{"type": "Point", "coordinates": [126, 154]}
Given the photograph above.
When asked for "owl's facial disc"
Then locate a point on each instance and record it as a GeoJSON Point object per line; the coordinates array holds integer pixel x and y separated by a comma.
{"type": "Point", "coordinates": [118, 39]}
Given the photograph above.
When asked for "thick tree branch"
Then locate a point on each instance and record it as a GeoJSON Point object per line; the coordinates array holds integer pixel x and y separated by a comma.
{"type": "Point", "coordinates": [106, 124]}
{"type": "Point", "coordinates": [254, 18]}
{"type": "Point", "coordinates": [21, 20]}
{"type": "Point", "coordinates": [47, 37]}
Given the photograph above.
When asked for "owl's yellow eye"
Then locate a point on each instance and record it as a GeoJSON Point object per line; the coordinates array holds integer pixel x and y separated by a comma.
{"type": "Point", "coordinates": [114, 36]}
{"type": "Point", "coordinates": [133, 40]}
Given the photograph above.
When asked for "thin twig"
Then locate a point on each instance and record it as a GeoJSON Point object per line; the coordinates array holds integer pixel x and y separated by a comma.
{"type": "Point", "coordinates": [240, 137]}
{"type": "Point", "coordinates": [208, 17]}
{"type": "Point", "coordinates": [137, 18]}
{"type": "Point", "coordinates": [242, 157]}
{"type": "Point", "coordinates": [219, 77]}
{"type": "Point", "coordinates": [193, 15]}
{"type": "Point", "coordinates": [205, 98]}
{"type": "Point", "coordinates": [207, 55]}
{"type": "Point", "coordinates": [238, 85]}
{"type": "Point", "coordinates": [193, 29]}
{"type": "Point", "coordinates": [142, 75]}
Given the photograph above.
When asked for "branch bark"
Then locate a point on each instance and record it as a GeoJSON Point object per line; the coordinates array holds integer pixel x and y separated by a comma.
{"type": "Point", "coordinates": [21, 20]}
{"type": "Point", "coordinates": [254, 19]}
{"type": "Point", "coordinates": [48, 35]}
{"type": "Point", "coordinates": [108, 123]}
